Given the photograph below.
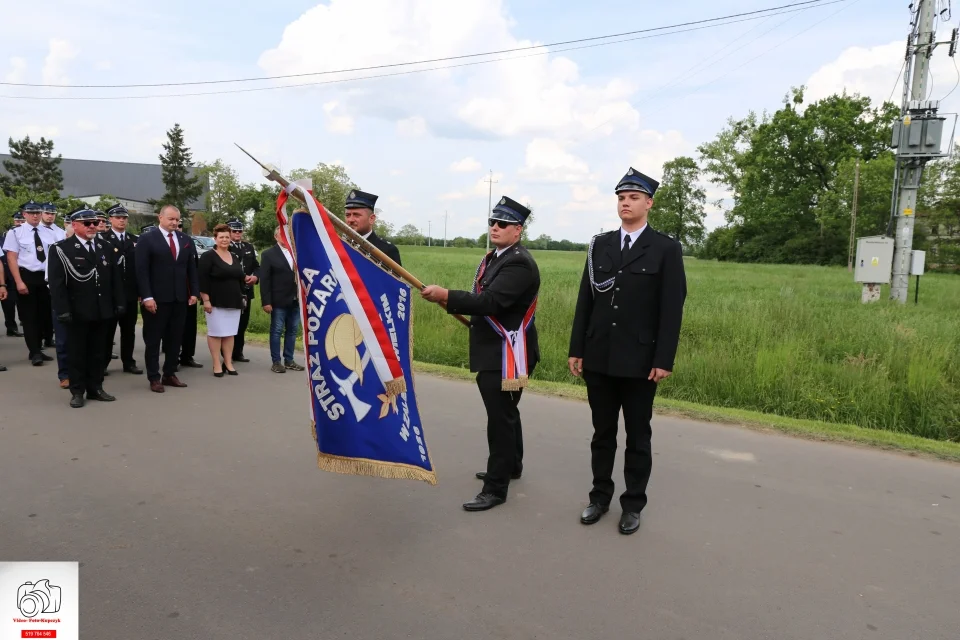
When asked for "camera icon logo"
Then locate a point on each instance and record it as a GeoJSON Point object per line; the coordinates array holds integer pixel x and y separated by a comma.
{"type": "Point", "coordinates": [34, 598]}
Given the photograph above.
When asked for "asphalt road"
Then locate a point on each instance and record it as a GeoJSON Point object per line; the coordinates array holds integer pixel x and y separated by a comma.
{"type": "Point", "coordinates": [200, 513]}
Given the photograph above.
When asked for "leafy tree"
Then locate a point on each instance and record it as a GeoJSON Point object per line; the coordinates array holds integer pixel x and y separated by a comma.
{"type": "Point", "coordinates": [176, 163]}
{"type": "Point", "coordinates": [408, 234]}
{"type": "Point", "coordinates": [678, 208]}
{"type": "Point", "coordinates": [331, 185]}
{"type": "Point", "coordinates": [33, 166]}
{"type": "Point", "coordinates": [224, 192]}
{"type": "Point", "coordinates": [383, 228]}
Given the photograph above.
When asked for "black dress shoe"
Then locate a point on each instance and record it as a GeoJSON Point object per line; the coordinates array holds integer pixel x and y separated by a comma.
{"type": "Point", "coordinates": [483, 501]}
{"type": "Point", "coordinates": [240, 359]}
{"type": "Point", "coordinates": [76, 401]}
{"type": "Point", "coordinates": [2, 368]}
{"type": "Point", "coordinates": [191, 363]}
{"type": "Point", "coordinates": [100, 395]}
{"type": "Point", "coordinates": [105, 373]}
{"type": "Point", "coordinates": [629, 523]}
{"type": "Point", "coordinates": [482, 475]}
{"type": "Point", "coordinates": [114, 356]}
{"type": "Point", "coordinates": [36, 361]}
{"type": "Point", "coordinates": [45, 357]}
{"type": "Point", "coordinates": [232, 372]}
{"type": "Point", "coordinates": [132, 369]}
{"type": "Point", "coordinates": [14, 334]}
{"type": "Point", "coordinates": [593, 513]}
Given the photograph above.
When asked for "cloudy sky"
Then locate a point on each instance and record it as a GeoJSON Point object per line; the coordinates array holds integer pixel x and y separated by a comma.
{"type": "Point", "coordinates": [557, 127]}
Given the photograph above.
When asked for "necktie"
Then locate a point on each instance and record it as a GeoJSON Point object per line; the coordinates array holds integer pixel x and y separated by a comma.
{"type": "Point", "coordinates": [41, 254]}
{"type": "Point", "coordinates": [89, 247]}
{"type": "Point", "coordinates": [173, 247]}
{"type": "Point", "coordinates": [625, 250]}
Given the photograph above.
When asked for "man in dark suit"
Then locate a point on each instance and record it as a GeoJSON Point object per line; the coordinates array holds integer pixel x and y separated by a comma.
{"type": "Point", "coordinates": [188, 345]}
{"type": "Point", "coordinates": [503, 343]}
{"type": "Point", "coordinates": [124, 247]}
{"type": "Point", "coordinates": [360, 216]}
{"type": "Point", "coordinates": [278, 295]}
{"type": "Point", "coordinates": [86, 287]}
{"type": "Point", "coordinates": [168, 285]}
{"type": "Point", "coordinates": [247, 255]}
{"type": "Point", "coordinates": [624, 339]}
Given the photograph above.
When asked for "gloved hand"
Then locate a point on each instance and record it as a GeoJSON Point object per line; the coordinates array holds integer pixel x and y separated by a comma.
{"type": "Point", "coordinates": [65, 318]}
{"type": "Point", "coordinates": [120, 310]}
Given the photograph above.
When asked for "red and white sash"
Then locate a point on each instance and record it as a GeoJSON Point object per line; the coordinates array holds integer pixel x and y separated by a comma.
{"type": "Point", "coordinates": [514, 363]}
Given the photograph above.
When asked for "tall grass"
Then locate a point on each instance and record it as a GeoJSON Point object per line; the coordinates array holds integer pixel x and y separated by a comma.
{"type": "Point", "coordinates": [789, 340]}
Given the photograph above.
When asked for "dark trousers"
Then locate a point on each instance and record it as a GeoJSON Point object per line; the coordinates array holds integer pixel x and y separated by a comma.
{"type": "Point", "coordinates": [607, 396]}
{"type": "Point", "coordinates": [62, 340]}
{"type": "Point", "coordinates": [242, 329]}
{"type": "Point", "coordinates": [166, 327]}
{"type": "Point", "coordinates": [504, 432]}
{"type": "Point", "coordinates": [128, 335]}
{"type": "Point", "coordinates": [84, 355]}
{"type": "Point", "coordinates": [10, 305]}
{"type": "Point", "coordinates": [188, 346]}
{"type": "Point", "coordinates": [35, 312]}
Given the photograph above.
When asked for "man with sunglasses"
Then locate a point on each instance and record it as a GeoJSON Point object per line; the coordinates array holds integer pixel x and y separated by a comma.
{"type": "Point", "coordinates": [27, 248]}
{"type": "Point", "coordinates": [87, 289]}
{"type": "Point", "coordinates": [503, 343]}
{"type": "Point", "coordinates": [624, 339]}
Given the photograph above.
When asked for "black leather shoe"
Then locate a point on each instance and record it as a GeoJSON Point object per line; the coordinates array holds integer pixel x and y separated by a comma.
{"type": "Point", "coordinates": [2, 368]}
{"type": "Point", "coordinates": [36, 361]}
{"type": "Point", "coordinates": [191, 363]}
{"type": "Point", "coordinates": [45, 357]}
{"type": "Point", "coordinates": [593, 513]}
{"type": "Point", "coordinates": [629, 523]}
{"type": "Point", "coordinates": [134, 369]}
{"type": "Point", "coordinates": [105, 373]}
{"type": "Point", "coordinates": [14, 334]}
{"type": "Point", "coordinates": [100, 395]}
{"type": "Point", "coordinates": [77, 401]}
{"type": "Point", "coordinates": [114, 356]}
{"type": "Point", "coordinates": [482, 475]}
{"type": "Point", "coordinates": [483, 501]}
{"type": "Point", "coordinates": [240, 359]}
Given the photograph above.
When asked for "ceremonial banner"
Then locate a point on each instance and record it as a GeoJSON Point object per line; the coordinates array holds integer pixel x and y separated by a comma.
{"type": "Point", "coordinates": [358, 336]}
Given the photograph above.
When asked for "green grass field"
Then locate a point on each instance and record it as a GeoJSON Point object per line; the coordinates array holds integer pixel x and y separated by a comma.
{"type": "Point", "coordinates": [787, 340]}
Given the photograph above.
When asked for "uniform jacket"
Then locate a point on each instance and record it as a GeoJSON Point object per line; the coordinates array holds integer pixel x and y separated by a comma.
{"type": "Point", "coordinates": [125, 253]}
{"type": "Point", "coordinates": [98, 296]}
{"type": "Point", "coordinates": [278, 283]}
{"type": "Point", "coordinates": [247, 256]}
{"type": "Point", "coordinates": [158, 275]}
{"type": "Point", "coordinates": [510, 284]}
{"type": "Point", "coordinates": [388, 248]}
{"type": "Point", "coordinates": [634, 326]}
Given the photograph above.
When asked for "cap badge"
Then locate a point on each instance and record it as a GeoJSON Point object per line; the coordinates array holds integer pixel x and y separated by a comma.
{"type": "Point", "coordinates": [353, 194]}
{"type": "Point", "coordinates": [503, 201]}
{"type": "Point", "coordinates": [630, 172]}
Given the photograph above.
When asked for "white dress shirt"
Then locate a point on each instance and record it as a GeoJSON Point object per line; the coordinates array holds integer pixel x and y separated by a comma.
{"type": "Point", "coordinates": [20, 241]}
{"type": "Point", "coordinates": [286, 254]}
{"type": "Point", "coordinates": [633, 236]}
{"type": "Point", "coordinates": [57, 232]}
{"type": "Point", "coordinates": [499, 251]}
{"type": "Point", "coordinates": [121, 235]}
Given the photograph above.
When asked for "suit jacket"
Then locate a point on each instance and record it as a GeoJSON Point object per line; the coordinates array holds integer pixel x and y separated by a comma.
{"type": "Point", "coordinates": [388, 248]}
{"type": "Point", "coordinates": [74, 289]}
{"type": "Point", "coordinates": [126, 259]}
{"type": "Point", "coordinates": [634, 326]}
{"type": "Point", "coordinates": [278, 283]}
{"type": "Point", "coordinates": [158, 275]}
{"type": "Point", "coordinates": [509, 284]}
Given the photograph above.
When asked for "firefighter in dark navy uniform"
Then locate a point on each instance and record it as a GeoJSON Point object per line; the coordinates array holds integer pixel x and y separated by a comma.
{"type": "Point", "coordinates": [624, 339]}
{"type": "Point", "coordinates": [247, 255]}
{"type": "Point", "coordinates": [360, 215]}
{"type": "Point", "coordinates": [503, 343]}
{"type": "Point", "coordinates": [124, 247]}
{"type": "Point", "coordinates": [86, 286]}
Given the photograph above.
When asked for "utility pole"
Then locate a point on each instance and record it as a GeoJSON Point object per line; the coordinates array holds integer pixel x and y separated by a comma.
{"type": "Point", "coordinates": [490, 181]}
{"type": "Point", "coordinates": [853, 216]}
{"type": "Point", "coordinates": [916, 136]}
{"type": "Point", "coordinates": [429, 235]}
{"type": "Point", "coordinates": [444, 228]}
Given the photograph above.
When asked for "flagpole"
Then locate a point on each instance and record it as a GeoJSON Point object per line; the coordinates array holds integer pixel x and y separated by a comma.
{"type": "Point", "coordinates": [272, 174]}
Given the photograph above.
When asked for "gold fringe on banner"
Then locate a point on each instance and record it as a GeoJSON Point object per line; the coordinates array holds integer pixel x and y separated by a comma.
{"type": "Point", "coordinates": [396, 386]}
{"type": "Point", "coordinates": [375, 468]}
{"type": "Point", "coordinates": [511, 384]}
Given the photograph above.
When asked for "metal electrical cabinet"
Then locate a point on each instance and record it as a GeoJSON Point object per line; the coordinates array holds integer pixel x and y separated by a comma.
{"type": "Point", "coordinates": [874, 262]}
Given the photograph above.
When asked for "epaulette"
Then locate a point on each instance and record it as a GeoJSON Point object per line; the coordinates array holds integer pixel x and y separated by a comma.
{"type": "Point", "coordinates": [668, 237]}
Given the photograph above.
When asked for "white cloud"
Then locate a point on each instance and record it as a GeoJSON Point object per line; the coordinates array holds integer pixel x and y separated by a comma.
{"type": "Point", "coordinates": [397, 202]}
{"type": "Point", "coordinates": [87, 125]}
{"type": "Point", "coordinates": [549, 161]}
{"type": "Point", "coordinates": [104, 65]}
{"type": "Point", "coordinates": [18, 70]}
{"type": "Point", "coordinates": [54, 66]}
{"type": "Point", "coordinates": [466, 165]}
{"type": "Point", "coordinates": [337, 123]}
{"type": "Point", "coordinates": [412, 127]}
{"type": "Point", "coordinates": [452, 195]}
{"type": "Point", "coordinates": [396, 172]}
{"type": "Point", "coordinates": [654, 149]}
{"type": "Point", "coordinates": [36, 131]}
{"type": "Point", "coordinates": [538, 95]}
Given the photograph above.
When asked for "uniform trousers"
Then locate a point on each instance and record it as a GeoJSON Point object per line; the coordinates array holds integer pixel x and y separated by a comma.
{"type": "Point", "coordinates": [84, 355]}
{"type": "Point", "coordinates": [10, 305]}
{"type": "Point", "coordinates": [62, 340]}
{"type": "Point", "coordinates": [607, 395]}
{"type": "Point", "coordinates": [188, 347]}
{"type": "Point", "coordinates": [504, 432]}
{"type": "Point", "coordinates": [128, 335]}
{"type": "Point", "coordinates": [242, 329]}
{"type": "Point", "coordinates": [35, 312]}
{"type": "Point", "coordinates": [163, 327]}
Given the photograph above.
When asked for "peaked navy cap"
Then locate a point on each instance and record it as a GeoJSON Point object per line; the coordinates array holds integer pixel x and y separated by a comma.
{"type": "Point", "coordinates": [357, 199]}
{"type": "Point", "coordinates": [31, 207]}
{"type": "Point", "coordinates": [82, 213]}
{"type": "Point", "coordinates": [118, 211]}
{"type": "Point", "coordinates": [510, 210]}
{"type": "Point", "coordinates": [636, 181]}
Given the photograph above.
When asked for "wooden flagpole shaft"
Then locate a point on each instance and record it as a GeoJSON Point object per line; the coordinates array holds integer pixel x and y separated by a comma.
{"type": "Point", "coordinates": [272, 174]}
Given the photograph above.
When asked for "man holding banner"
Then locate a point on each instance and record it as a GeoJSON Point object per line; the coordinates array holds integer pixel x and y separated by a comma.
{"type": "Point", "coordinates": [503, 343]}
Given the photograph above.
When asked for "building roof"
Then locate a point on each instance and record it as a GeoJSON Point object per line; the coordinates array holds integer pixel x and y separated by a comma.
{"type": "Point", "coordinates": [124, 180]}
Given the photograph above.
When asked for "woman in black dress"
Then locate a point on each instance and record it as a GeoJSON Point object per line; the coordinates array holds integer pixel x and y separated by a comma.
{"type": "Point", "coordinates": [221, 288]}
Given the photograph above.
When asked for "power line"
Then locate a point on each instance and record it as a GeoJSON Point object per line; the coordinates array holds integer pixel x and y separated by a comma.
{"type": "Point", "coordinates": [806, 3]}
{"type": "Point", "coordinates": [821, 3]}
